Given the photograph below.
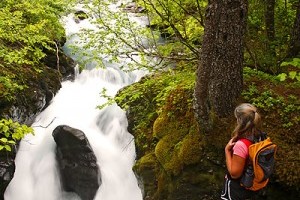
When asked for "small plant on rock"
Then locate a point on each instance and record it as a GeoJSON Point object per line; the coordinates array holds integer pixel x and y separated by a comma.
{"type": "Point", "coordinates": [11, 132]}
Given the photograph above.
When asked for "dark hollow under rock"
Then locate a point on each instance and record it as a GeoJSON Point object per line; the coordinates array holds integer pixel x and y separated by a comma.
{"type": "Point", "coordinates": [77, 162]}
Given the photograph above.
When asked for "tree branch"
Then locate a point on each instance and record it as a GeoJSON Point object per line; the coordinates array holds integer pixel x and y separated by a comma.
{"type": "Point", "coordinates": [45, 126]}
{"type": "Point", "coordinates": [177, 32]}
{"type": "Point", "coordinates": [57, 56]}
{"type": "Point", "coordinates": [191, 14]}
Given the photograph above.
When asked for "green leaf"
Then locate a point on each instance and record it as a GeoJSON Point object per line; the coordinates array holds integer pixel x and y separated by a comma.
{"type": "Point", "coordinates": [7, 147]}
{"type": "Point", "coordinates": [282, 76]}
{"type": "Point", "coordinates": [4, 140]}
{"type": "Point", "coordinates": [292, 74]}
{"type": "Point", "coordinates": [5, 128]}
{"type": "Point", "coordinates": [11, 142]}
{"type": "Point", "coordinates": [298, 77]}
{"type": "Point", "coordinates": [283, 64]}
{"type": "Point", "coordinates": [7, 134]}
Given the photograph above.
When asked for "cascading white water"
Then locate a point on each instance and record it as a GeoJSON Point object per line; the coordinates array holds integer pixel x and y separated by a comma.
{"type": "Point", "coordinates": [36, 176]}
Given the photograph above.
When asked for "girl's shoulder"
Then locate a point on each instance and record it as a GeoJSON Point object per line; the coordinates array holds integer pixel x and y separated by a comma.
{"type": "Point", "coordinates": [246, 141]}
{"type": "Point", "coordinates": [240, 149]}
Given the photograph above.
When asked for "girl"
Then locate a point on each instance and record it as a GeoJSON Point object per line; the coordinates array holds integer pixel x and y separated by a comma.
{"type": "Point", "coordinates": [236, 151]}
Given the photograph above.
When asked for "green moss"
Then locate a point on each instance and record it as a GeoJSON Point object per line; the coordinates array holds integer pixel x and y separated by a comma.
{"type": "Point", "coordinates": [147, 161]}
{"type": "Point", "coordinates": [167, 153]}
{"type": "Point", "coordinates": [159, 126]}
{"type": "Point", "coordinates": [176, 127]}
{"type": "Point", "coordinates": [191, 149]}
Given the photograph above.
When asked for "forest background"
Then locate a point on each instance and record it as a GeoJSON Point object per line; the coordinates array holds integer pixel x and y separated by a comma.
{"type": "Point", "coordinates": [173, 144]}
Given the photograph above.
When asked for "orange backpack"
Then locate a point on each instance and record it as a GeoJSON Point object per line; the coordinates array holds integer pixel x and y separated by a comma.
{"type": "Point", "coordinates": [261, 164]}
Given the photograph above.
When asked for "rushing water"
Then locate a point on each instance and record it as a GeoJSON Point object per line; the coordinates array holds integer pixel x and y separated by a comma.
{"type": "Point", "coordinates": [36, 176]}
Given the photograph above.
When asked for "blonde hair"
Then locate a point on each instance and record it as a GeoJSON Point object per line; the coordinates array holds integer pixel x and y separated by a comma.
{"type": "Point", "coordinates": [248, 121]}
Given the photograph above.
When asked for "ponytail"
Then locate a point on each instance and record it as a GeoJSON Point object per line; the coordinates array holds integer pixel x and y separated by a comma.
{"type": "Point", "coordinates": [248, 121]}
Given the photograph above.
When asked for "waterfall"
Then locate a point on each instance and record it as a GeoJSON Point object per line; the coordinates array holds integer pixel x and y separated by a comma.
{"type": "Point", "coordinates": [37, 177]}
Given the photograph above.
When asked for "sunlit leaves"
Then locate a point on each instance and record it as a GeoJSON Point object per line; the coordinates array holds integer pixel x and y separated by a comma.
{"type": "Point", "coordinates": [293, 75]}
{"type": "Point", "coordinates": [295, 62]}
{"type": "Point", "coordinates": [26, 28]}
{"type": "Point", "coordinates": [11, 132]}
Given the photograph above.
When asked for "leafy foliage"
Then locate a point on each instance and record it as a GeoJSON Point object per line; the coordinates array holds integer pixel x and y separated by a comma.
{"type": "Point", "coordinates": [11, 132]}
{"type": "Point", "coordinates": [8, 88]}
{"type": "Point", "coordinates": [163, 84]}
{"type": "Point", "coordinates": [295, 62]}
{"type": "Point", "coordinates": [27, 28]}
{"type": "Point", "coordinates": [294, 74]}
{"type": "Point", "coordinates": [110, 99]}
{"type": "Point", "coordinates": [180, 21]}
{"type": "Point", "coordinates": [259, 50]}
{"type": "Point", "coordinates": [271, 101]}
{"type": "Point", "coordinates": [146, 99]}
{"type": "Point", "coordinates": [118, 35]}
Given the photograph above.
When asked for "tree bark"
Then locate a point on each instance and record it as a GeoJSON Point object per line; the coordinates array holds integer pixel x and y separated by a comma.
{"type": "Point", "coordinates": [294, 48]}
{"type": "Point", "coordinates": [270, 25]}
{"type": "Point", "coordinates": [219, 75]}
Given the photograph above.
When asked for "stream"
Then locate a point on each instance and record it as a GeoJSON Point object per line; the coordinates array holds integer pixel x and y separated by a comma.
{"type": "Point", "coordinates": [37, 176]}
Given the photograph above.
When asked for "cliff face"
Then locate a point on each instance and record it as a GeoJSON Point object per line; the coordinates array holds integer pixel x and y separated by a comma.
{"type": "Point", "coordinates": [175, 161]}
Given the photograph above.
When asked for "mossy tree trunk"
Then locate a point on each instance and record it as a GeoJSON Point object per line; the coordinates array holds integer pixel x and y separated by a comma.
{"type": "Point", "coordinates": [219, 74]}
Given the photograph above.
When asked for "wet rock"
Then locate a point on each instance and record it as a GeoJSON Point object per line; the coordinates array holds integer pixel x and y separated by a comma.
{"type": "Point", "coordinates": [77, 162]}
{"type": "Point", "coordinates": [60, 62]}
{"type": "Point", "coordinates": [28, 103]}
{"type": "Point", "coordinates": [7, 170]}
{"type": "Point", "coordinates": [80, 15]}
{"type": "Point", "coordinates": [133, 8]}
{"type": "Point", "coordinates": [40, 88]}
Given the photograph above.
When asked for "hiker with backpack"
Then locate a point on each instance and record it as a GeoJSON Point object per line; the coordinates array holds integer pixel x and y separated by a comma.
{"type": "Point", "coordinates": [249, 156]}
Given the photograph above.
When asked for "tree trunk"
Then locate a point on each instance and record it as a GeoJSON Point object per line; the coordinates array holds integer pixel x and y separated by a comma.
{"type": "Point", "coordinates": [270, 25]}
{"type": "Point", "coordinates": [219, 74]}
{"type": "Point", "coordinates": [294, 49]}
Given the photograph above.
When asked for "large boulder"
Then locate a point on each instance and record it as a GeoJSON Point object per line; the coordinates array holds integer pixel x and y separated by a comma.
{"type": "Point", "coordinates": [77, 162]}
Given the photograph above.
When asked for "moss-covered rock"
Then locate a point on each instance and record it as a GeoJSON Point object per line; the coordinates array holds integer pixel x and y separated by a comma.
{"type": "Point", "coordinates": [181, 163]}
{"type": "Point", "coordinates": [146, 168]}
